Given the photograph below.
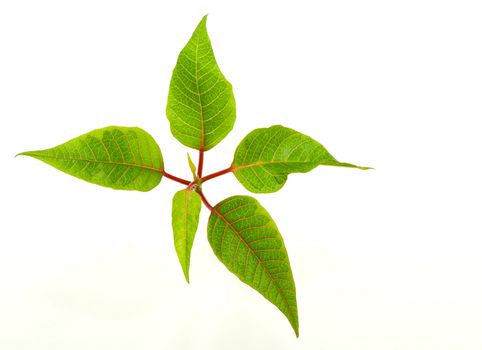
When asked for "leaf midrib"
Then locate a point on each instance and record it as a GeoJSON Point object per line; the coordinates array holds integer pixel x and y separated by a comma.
{"type": "Point", "coordinates": [186, 224]}
{"type": "Point", "coordinates": [201, 117]}
{"type": "Point", "coordinates": [159, 170]}
{"type": "Point", "coordinates": [259, 260]}
{"type": "Point", "coordinates": [239, 167]}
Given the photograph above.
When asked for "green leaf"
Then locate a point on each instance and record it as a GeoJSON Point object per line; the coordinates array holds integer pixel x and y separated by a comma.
{"type": "Point", "coordinates": [200, 106]}
{"type": "Point", "coordinates": [266, 156]}
{"type": "Point", "coordinates": [122, 158]}
{"type": "Point", "coordinates": [186, 206]}
{"type": "Point", "coordinates": [245, 238]}
{"type": "Point", "coordinates": [192, 166]}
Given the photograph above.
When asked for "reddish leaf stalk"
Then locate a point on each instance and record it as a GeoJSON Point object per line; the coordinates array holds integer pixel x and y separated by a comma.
{"type": "Point", "coordinates": [175, 178]}
{"type": "Point", "coordinates": [216, 174]}
{"type": "Point", "coordinates": [200, 163]}
{"type": "Point", "coordinates": [205, 201]}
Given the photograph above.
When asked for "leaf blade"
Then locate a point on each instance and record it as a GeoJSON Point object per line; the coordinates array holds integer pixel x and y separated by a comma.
{"type": "Point", "coordinates": [186, 207]}
{"type": "Point", "coordinates": [200, 108]}
{"type": "Point", "coordinates": [240, 225]}
{"type": "Point", "coordinates": [121, 158]}
{"type": "Point", "coordinates": [266, 156]}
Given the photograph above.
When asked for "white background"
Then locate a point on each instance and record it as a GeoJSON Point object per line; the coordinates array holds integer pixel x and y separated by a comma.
{"type": "Point", "coordinates": [383, 259]}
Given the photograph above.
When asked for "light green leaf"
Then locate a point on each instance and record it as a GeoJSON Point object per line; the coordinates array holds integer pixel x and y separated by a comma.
{"type": "Point", "coordinates": [186, 206]}
{"type": "Point", "coordinates": [192, 166]}
{"type": "Point", "coordinates": [245, 238]}
{"type": "Point", "coordinates": [200, 106]}
{"type": "Point", "coordinates": [122, 158]}
{"type": "Point", "coordinates": [266, 156]}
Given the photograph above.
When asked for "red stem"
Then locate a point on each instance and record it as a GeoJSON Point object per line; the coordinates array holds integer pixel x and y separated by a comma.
{"type": "Point", "coordinates": [175, 178]}
{"type": "Point", "coordinates": [200, 164]}
{"type": "Point", "coordinates": [216, 174]}
{"type": "Point", "coordinates": [205, 201]}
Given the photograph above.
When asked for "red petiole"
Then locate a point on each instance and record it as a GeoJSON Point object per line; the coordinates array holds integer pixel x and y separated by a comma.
{"type": "Point", "coordinates": [191, 184]}
{"type": "Point", "coordinates": [203, 179]}
{"type": "Point", "coordinates": [175, 178]}
{"type": "Point", "coordinates": [216, 174]}
{"type": "Point", "coordinates": [200, 164]}
{"type": "Point", "coordinates": [205, 201]}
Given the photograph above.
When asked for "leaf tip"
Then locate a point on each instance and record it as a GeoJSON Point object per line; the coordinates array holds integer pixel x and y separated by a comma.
{"type": "Point", "coordinates": [202, 23]}
{"type": "Point", "coordinates": [186, 275]}
{"type": "Point", "coordinates": [349, 165]}
{"type": "Point", "coordinates": [295, 325]}
{"type": "Point", "coordinates": [363, 167]}
{"type": "Point", "coordinates": [27, 153]}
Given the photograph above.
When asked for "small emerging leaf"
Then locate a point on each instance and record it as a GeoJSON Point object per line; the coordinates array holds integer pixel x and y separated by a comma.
{"type": "Point", "coordinates": [122, 158]}
{"type": "Point", "coordinates": [186, 206]}
{"type": "Point", "coordinates": [192, 166]}
{"type": "Point", "coordinates": [245, 238]}
{"type": "Point", "coordinates": [266, 156]}
{"type": "Point", "coordinates": [200, 106]}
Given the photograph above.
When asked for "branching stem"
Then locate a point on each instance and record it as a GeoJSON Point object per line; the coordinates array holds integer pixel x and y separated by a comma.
{"type": "Point", "coordinates": [216, 174]}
